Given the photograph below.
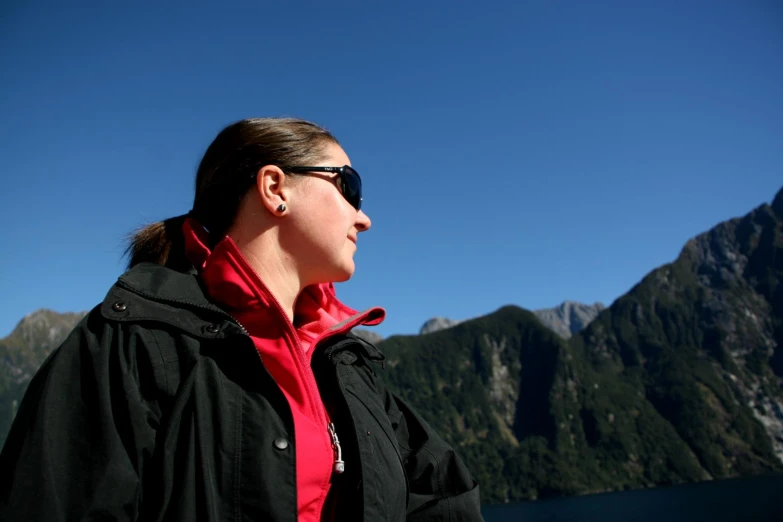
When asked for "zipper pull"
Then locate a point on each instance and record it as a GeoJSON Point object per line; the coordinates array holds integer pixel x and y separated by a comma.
{"type": "Point", "coordinates": [339, 465]}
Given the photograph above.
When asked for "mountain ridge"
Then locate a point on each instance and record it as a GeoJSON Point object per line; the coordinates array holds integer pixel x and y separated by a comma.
{"type": "Point", "coordinates": [565, 319]}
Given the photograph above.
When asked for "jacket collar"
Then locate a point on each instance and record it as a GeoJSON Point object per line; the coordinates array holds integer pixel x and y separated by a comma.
{"type": "Point", "coordinates": [149, 291]}
{"type": "Point", "coordinates": [153, 293]}
{"type": "Point", "coordinates": [164, 284]}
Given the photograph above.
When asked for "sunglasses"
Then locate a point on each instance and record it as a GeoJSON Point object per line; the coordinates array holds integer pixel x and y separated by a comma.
{"type": "Point", "coordinates": [348, 181]}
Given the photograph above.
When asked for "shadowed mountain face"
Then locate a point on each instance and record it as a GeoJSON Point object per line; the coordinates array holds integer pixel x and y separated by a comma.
{"type": "Point", "coordinates": [680, 380]}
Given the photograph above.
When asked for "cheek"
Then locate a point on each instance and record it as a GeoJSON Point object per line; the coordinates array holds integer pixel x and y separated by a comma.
{"type": "Point", "coordinates": [327, 218]}
{"type": "Point", "coordinates": [334, 209]}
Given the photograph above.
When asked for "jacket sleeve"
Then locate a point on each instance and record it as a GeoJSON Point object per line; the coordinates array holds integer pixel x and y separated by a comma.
{"type": "Point", "coordinates": [75, 449]}
{"type": "Point", "coordinates": [441, 487]}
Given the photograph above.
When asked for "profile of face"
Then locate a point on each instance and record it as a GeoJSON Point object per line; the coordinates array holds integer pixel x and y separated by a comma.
{"type": "Point", "coordinates": [319, 228]}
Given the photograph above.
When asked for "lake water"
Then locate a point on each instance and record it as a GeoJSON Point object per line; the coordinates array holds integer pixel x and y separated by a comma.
{"type": "Point", "coordinates": [748, 499]}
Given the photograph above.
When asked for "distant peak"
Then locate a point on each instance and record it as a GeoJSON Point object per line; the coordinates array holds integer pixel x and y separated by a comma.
{"type": "Point", "coordinates": [569, 317]}
{"type": "Point", "coordinates": [46, 319]}
{"type": "Point", "coordinates": [437, 323]}
{"type": "Point", "coordinates": [47, 313]}
{"type": "Point", "coordinates": [38, 313]}
{"type": "Point", "coordinates": [570, 305]}
{"type": "Point", "coordinates": [37, 316]}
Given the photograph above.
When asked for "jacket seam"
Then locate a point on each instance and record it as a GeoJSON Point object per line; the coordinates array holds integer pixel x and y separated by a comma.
{"type": "Point", "coordinates": [441, 490]}
{"type": "Point", "coordinates": [163, 362]}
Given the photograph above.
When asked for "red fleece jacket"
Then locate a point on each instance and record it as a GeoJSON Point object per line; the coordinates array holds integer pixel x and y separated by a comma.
{"type": "Point", "coordinates": [284, 348]}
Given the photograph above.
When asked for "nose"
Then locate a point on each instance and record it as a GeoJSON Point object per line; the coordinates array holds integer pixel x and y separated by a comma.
{"type": "Point", "coordinates": [363, 222]}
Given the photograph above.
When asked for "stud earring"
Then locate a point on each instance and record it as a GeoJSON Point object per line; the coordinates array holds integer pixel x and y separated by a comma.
{"type": "Point", "coordinates": [281, 208]}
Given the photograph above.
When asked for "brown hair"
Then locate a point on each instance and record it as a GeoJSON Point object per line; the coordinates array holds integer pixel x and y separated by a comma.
{"type": "Point", "coordinates": [224, 176]}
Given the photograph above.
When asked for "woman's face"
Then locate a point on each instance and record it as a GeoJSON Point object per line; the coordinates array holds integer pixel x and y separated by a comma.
{"type": "Point", "coordinates": [322, 227]}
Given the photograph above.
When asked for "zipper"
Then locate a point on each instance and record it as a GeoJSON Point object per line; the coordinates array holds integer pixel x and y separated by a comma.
{"type": "Point", "coordinates": [331, 350]}
{"type": "Point", "coordinates": [317, 405]}
{"type": "Point", "coordinates": [339, 465]}
{"type": "Point", "coordinates": [321, 411]}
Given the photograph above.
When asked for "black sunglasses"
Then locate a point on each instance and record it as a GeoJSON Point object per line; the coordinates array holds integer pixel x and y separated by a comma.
{"type": "Point", "coordinates": [348, 181]}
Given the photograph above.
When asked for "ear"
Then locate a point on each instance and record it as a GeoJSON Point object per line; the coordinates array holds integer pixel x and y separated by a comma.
{"type": "Point", "coordinates": [274, 187]}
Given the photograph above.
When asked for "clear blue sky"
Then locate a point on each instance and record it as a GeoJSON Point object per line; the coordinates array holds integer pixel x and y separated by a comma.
{"type": "Point", "coordinates": [512, 152]}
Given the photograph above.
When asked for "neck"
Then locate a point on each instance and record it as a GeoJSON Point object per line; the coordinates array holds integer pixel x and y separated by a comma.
{"type": "Point", "coordinates": [275, 269]}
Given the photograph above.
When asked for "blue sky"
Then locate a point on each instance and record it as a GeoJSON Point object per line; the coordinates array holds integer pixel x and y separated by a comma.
{"type": "Point", "coordinates": [512, 152]}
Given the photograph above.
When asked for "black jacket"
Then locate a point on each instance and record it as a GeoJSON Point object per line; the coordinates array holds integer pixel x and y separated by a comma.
{"type": "Point", "coordinates": [157, 407]}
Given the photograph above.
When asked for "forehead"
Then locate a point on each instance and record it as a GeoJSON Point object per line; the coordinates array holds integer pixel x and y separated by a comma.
{"type": "Point", "coordinates": [335, 156]}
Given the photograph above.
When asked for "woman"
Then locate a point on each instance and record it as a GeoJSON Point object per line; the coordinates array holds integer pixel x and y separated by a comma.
{"type": "Point", "coordinates": [219, 379]}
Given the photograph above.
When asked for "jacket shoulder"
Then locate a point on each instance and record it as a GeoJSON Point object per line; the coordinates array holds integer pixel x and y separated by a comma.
{"type": "Point", "coordinates": [99, 340]}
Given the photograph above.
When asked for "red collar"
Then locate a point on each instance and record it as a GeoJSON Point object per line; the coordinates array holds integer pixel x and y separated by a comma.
{"type": "Point", "coordinates": [237, 288]}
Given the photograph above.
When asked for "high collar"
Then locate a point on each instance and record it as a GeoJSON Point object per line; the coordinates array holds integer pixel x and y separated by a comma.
{"type": "Point", "coordinates": [236, 287]}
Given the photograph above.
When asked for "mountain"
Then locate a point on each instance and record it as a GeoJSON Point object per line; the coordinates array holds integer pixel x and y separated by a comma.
{"type": "Point", "coordinates": [678, 381]}
{"type": "Point", "coordinates": [569, 317]}
{"type": "Point", "coordinates": [565, 319]}
{"type": "Point", "coordinates": [23, 352]}
{"type": "Point", "coordinates": [436, 324]}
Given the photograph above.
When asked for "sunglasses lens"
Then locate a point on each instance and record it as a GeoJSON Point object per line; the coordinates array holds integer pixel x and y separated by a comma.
{"type": "Point", "coordinates": [352, 188]}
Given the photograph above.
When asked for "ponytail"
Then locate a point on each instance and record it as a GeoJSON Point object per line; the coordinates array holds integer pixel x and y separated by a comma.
{"type": "Point", "coordinates": [161, 243]}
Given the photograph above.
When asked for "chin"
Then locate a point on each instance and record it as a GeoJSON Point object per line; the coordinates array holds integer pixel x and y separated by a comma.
{"type": "Point", "coordinates": [344, 276]}
{"type": "Point", "coordinates": [345, 272]}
